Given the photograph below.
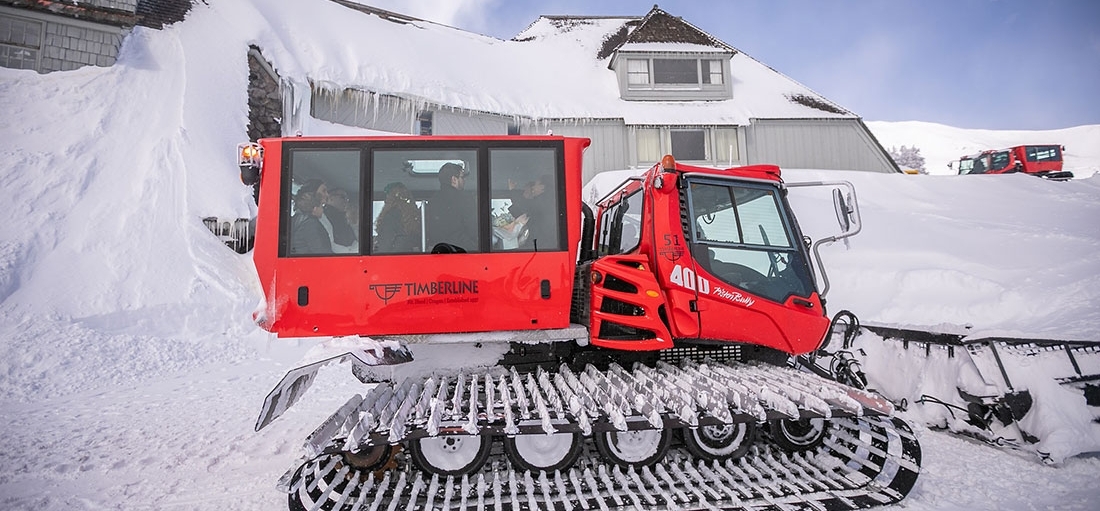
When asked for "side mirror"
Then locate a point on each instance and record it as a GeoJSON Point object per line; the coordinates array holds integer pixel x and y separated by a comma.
{"type": "Point", "coordinates": [843, 211]}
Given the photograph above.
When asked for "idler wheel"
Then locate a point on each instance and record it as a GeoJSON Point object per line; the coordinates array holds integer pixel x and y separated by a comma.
{"type": "Point", "coordinates": [800, 434]}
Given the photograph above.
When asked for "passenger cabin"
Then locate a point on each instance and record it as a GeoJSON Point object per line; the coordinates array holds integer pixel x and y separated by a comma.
{"type": "Point", "coordinates": [498, 275]}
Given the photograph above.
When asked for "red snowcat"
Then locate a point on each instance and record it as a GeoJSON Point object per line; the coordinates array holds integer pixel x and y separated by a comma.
{"type": "Point", "coordinates": [1039, 160]}
{"type": "Point", "coordinates": [518, 350]}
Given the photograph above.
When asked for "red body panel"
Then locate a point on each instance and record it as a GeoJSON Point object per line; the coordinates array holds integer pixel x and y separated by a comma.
{"type": "Point", "coordinates": [414, 293]}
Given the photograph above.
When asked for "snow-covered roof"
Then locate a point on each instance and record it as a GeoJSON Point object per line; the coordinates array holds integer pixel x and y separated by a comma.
{"type": "Point", "coordinates": [551, 70]}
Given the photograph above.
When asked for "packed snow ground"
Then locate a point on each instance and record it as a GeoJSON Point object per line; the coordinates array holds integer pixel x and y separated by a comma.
{"type": "Point", "coordinates": [131, 374]}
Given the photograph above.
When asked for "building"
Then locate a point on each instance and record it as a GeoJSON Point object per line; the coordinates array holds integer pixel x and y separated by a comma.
{"type": "Point", "coordinates": [49, 35]}
{"type": "Point", "coordinates": [639, 87]}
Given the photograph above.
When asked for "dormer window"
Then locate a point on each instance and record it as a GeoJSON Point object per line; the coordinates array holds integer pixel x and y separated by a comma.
{"type": "Point", "coordinates": [658, 77]}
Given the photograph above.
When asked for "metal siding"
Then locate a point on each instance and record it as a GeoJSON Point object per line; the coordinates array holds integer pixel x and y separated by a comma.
{"type": "Point", "coordinates": [609, 147]}
{"type": "Point", "coordinates": [835, 144]}
{"type": "Point", "coordinates": [445, 122]}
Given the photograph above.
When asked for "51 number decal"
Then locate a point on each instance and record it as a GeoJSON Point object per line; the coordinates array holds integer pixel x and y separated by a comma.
{"type": "Point", "coordinates": [685, 277]}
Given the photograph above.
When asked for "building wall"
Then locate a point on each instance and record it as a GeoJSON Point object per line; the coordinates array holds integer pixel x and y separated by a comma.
{"type": "Point", "coordinates": [45, 43]}
{"type": "Point", "coordinates": [831, 144]}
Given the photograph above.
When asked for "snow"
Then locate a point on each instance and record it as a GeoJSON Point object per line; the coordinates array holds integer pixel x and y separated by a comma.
{"type": "Point", "coordinates": [131, 373]}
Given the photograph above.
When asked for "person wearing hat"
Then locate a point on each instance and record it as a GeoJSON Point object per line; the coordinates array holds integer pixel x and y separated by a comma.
{"type": "Point", "coordinates": [307, 234]}
{"type": "Point", "coordinates": [452, 212]}
{"type": "Point", "coordinates": [398, 224]}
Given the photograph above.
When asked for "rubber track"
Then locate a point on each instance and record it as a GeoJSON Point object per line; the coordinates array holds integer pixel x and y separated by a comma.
{"type": "Point", "coordinates": [867, 458]}
{"type": "Point", "coordinates": [863, 463]}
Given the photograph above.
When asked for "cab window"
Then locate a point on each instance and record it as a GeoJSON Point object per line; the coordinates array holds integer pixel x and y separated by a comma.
{"type": "Point", "coordinates": [525, 209]}
{"type": "Point", "coordinates": [741, 237]}
{"type": "Point", "coordinates": [319, 210]}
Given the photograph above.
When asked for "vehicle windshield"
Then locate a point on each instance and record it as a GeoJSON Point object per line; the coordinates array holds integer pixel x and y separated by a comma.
{"type": "Point", "coordinates": [999, 160]}
{"type": "Point", "coordinates": [741, 234]}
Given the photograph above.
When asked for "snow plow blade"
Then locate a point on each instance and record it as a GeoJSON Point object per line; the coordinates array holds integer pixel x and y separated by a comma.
{"type": "Point", "coordinates": [1011, 392]}
{"type": "Point", "coordinates": [297, 380]}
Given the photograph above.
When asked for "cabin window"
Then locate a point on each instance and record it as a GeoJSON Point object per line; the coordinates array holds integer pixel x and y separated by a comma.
{"type": "Point", "coordinates": [526, 209]}
{"type": "Point", "coordinates": [425, 200]}
{"type": "Point", "coordinates": [320, 212]}
{"type": "Point", "coordinates": [621, 226]}
{"type": "Point", "coordinates": [1044, 153]}
{"type": "Point", "coordinates": [740, 236]}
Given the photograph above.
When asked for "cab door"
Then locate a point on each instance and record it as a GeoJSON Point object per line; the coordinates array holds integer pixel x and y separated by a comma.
{"type": "Point", "coordinates": [751, 275]}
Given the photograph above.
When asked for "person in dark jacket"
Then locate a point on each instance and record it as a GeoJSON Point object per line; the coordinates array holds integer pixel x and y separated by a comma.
{"type": "Point", "coordinates": [307, 234]}
{"type": "Point", "coordinates": [398, 224]}
{"type": "Point", "coordinates": [452, 213]}
{"type": "Point", "coordinates": [535, 208]}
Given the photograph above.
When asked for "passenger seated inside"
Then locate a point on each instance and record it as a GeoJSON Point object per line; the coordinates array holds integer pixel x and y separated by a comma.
{"type": "Point", "coordinates": [344, 238]}
{"type": "Point", "coordinates": [307, 234]}
{"type": "Point", "coordinates": [534, 214]}
{"type": "Point", "coordinates": [398, 224]}
{"type": "Point", "coordinates": [452, 213]}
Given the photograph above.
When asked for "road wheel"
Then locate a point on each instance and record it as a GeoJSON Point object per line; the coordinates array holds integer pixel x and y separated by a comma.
{"type": "Point", "coordinates": [450, 455]}
{"type": "Point", "coordinates": [721, 442]}
{"type": "Point", "coordinates": [544, 452]}
{"type": "Point", "coordinates": [634, 448]}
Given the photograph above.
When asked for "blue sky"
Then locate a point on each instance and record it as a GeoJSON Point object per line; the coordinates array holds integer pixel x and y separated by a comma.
{"type": "Point", "coordinates": [992, 64]}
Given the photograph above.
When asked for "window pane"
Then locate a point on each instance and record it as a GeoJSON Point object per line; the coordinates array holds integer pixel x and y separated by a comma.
{"type": "Point", "coordinates": [637, 72]}
{"type": "Point", "coordinates": [712, 72]}
{"type": "Point", "coordinates": [631, 232]}
{"type": "Point", "coordinates": [676, 71]}
{"type": "Point", "coordinates": [525, 207]}
{"type": "Point", "coordinates": [323, 204]}
{"type": "Point", "coordinates": [649, 145]}
{"type": "Point", "coordinates": [442, 184]}
{"type": "Point", "coordinates": [689, 145]}
{"type": "Point", "coordinates": [725, 142]}
{"type": "Point", "coordinates": [742, 240]}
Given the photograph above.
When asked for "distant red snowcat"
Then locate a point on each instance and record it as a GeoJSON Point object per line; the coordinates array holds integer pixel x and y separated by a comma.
{"type": "Point", "coordinates": [1040, 160]}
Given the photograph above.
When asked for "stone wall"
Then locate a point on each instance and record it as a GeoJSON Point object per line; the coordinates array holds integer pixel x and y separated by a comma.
{"type": "Point", "coordinates": [265, 100]}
